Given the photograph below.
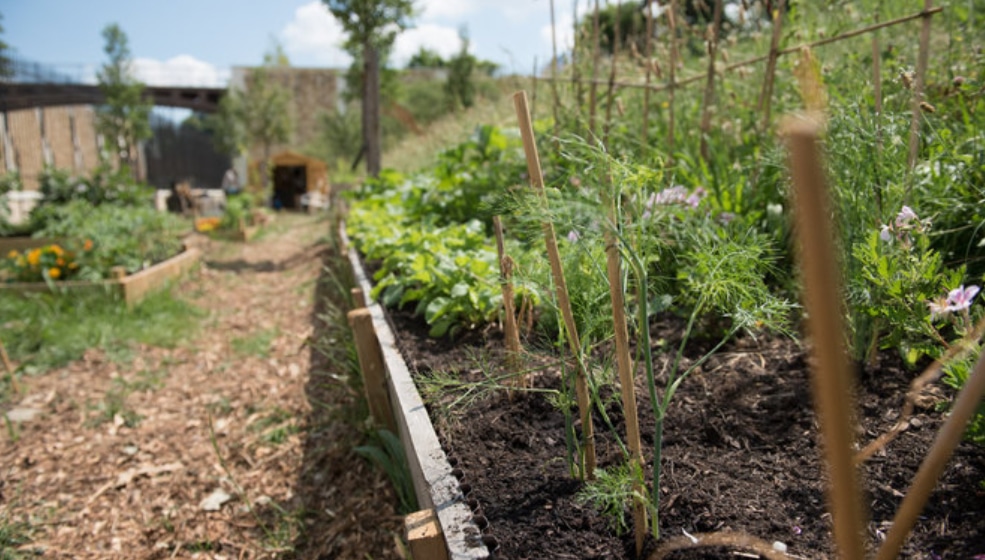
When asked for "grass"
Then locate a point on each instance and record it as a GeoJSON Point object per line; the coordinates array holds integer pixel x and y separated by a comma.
{"type": "Point", "coordinates": [45, 331]}
{"type": "Point", "coordinates": [12, 535]}
{"type": "Point", "coordinates": [256, 343]}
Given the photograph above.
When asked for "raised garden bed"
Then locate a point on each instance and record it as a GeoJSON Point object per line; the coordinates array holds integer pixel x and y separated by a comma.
{"type": "Point", "coordinates": [131, 288]}
{"type": "Point", "coordinates": [21, 243]}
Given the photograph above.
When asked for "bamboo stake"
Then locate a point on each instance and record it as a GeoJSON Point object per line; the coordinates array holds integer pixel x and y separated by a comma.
{"type": "Point", "coordinates": [647, 54]}
{"type": "Point", "coordinates": [830, 377]}
{"type": "Point", "coordinates": [625, 367]}
{"type": "Point", "coordinates": [533, 91]}
{"type": "Point", "coordinates": [877, 95]}
{"type": "Point", "coordinates": [575, 71]}
{"type": "Point", "coordinates": [555, 99]}
{"type": "Point", "coordinates": [510, 330]}
{"type": "Point", "coordinates": [612, 76]}
{"type": "Point", "coordinates": [672, 84]}
{"type": "Point", "coordinates": [561, 288]}
{"type": "Point", "coordinates": [593, 91]}
{"type": "Point", "coordinates": [918, 87]}
{"type": "Point", "coordinates": [766, 95]}
{"type": "Point", "coordinates": [933, 465]}
{"type": "Point", "coordinates": [713, 32]}
{"type": "Point", "coordinates": [782, 52]}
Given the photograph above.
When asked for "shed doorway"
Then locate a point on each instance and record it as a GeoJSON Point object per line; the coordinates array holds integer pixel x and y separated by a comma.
{"type": "Point", "coordinates": [290, 183]}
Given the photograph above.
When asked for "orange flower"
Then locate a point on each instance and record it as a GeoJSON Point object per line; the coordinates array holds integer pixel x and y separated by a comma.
{"type": "Point", "coordinates": [13, 254]}
{"type": "Point", "coordinates": [54, 273]}
{"type": "Point", "coordinates": [87, 246]}
{"type": "Point", "coordinates": [60, 261]}
{"type": "Point", "coordinates": [34, 257]}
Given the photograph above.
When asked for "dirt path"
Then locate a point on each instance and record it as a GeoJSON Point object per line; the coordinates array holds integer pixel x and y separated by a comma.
{"type": "Point", "coordinates": [236, 444]}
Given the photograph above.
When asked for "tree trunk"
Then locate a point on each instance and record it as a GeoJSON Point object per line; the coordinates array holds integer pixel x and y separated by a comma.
{"type": "Point", "coordinates": [372, 132]}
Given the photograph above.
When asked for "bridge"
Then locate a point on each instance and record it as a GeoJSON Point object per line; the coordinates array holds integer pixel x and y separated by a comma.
{"type": "Point", "coordinates": [14, 96]}
{"type": "Point", "coordinates": [35, 85]}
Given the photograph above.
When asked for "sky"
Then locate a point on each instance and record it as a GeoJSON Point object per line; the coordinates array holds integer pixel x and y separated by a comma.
{"type": "Point", "coordinates": [197, 42]}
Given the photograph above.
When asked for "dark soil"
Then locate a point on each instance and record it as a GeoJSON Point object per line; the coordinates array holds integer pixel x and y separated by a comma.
{"type": "Point", "coordinates": [740, 453]}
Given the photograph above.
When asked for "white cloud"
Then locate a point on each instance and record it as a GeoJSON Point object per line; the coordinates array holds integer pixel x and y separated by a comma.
{"type": "Point", "coordinates": [447, 8]}
{"type": "Point", "coordinates": [181, 70]}
{"type": "Point", "coordinates": [564, 28]}
{"type": "Point", "coordinates": [314, 34]}
{"type": "Point", "coordinates": [439, 38]}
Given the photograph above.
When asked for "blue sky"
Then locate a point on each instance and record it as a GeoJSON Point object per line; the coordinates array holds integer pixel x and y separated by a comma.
{"type": "Point", "coordinates": [196, 41]}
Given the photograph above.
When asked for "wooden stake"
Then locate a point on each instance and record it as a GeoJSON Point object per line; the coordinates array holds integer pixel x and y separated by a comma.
{"type": "Point", "coordinates": [424, 535]}
{"type": "Point", "coordinates": [625, 367]}
{"type": "Point", "coordinates": [933, 465]}
{"type": "Point", "coordinates": [556, 101]}
{"type": "Point", "coordinates": [358, 298]}
{"type": "Point", "coordinates": [713, 32]}
{"type": "Point", "coordinates": [561, 288]}
{"type": "Point", "coordinates": [371, 365]}
{"type": "Point", "coordinates": [611, 93]}
{"type": "Point", "coordinates": [647, 54]}
{"type": "Point", "coordinates": [766, 95]}
{"type": "Point", "coordinates": [593, 91]}
{"type": "Point", "coordinates": [918, 87]}
{"type": "Point", "coordinates": [877, 98]}
{"type": "Point", "coordinates": [672, 77]}
{"type": "Point", "coordinates": [510, 330]}
{"type": "Point", "coordinates": [830, 377]}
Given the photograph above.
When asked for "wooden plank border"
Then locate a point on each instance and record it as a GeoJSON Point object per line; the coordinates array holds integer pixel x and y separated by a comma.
{"type": "Point", "coordinates": [434, 484]}
{"type": "Point", "coordinates": [132, 288]}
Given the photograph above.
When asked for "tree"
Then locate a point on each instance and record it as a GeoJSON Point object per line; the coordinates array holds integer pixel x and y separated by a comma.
{"type": "Point", "coordinates": [258, 114]}
{"type": "Point", "coordinates": [426, 58]}
{"type": "Point", "coordinates": [372, 26]}
{"type": "Point", "coordinates": [459, 87]}
{"type": "Point", "coordinates": [124, 120]}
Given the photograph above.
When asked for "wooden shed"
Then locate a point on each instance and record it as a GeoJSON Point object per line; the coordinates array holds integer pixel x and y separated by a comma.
{"type": "Point", "coordinates": [295, 175]}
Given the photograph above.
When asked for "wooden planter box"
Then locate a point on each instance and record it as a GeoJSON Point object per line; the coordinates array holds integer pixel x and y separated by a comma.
{"type": "Point", "coordinates": [22, 243]}
{"type": "Point", "coordinates": [445, 527]}
{"type": "Point", "coordinates": [131, 289]}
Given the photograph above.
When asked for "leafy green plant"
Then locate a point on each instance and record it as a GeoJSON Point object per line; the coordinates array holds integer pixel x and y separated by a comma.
{"type": "Point", "coordinates": [610, 493]}
{"type": "Point", "coordinates": [133, 238]}
{"type": "Point", "coordinates": [387, 453]}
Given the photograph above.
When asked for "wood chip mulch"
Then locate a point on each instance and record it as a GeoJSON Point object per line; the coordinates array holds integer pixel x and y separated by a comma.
{"type": "Point", "coordinates": [238, 443]}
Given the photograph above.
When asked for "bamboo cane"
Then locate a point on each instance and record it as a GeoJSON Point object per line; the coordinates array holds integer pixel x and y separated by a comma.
{"type": "Point", "coordinates": [611, 92]}
{"type": "Point", "coordinates": [647, 54]}
{"type": "Point", "coordinates": [782, 52]}
{"type": "Point", "coordinates": [510, 330]}
{"type": "Point", "coordinates": [830, 377]}
{"type": "Point", "coordinates": [556, 101]}
{"type": "Point", "coordinates": [766, 95]}
{"type": "Point", "coordinates": [593, 90]}
{"type": "Point", "coordinates": [918, 87]}
{"type": "Point", "coordinates": [625, 367]}
{"type": "Point", "coordinates": [561, 288]}
{"type": "Point", "coordinates": [877, 98]}
{"type": "Point", "coordinates": [933, 465]}
{"type": "Point", "coordinates": [713, 32]}
{"type": "Point", "coordinates": [672, 77]}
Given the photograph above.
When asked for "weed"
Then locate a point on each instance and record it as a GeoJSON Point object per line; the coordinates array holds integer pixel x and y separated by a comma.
{"type": "Point", "coordinates": [611, 493]}
{"type": "Point", "coordinates": [387, 453]}
{"type": "Point", "coordinates": [114, 405]}
{"type": "Point", "coordinates": [13, 535]}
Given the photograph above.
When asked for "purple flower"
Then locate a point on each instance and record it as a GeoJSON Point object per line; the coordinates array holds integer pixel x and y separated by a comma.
{"type": "Point", "coordinates": [796, 530]}
{"type": "Point", "coordinates": [905, 216]}
{"type": "Point", "coordinates": [886, 234]}
{"type": "Point", "coordinates": [574, 236]}
{"type": "Point", "coordinates": [726, 218]}
{"type": "Point", "coordinates": [960, 297]}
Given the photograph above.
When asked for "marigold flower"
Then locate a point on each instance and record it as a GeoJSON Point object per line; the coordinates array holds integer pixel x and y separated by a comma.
{"type": "Point", "coordinates": [87, 246]}
{"type": "Point", "coordinates": [34, 257]}
{"type": "Point", "coordinates": [54, 272]}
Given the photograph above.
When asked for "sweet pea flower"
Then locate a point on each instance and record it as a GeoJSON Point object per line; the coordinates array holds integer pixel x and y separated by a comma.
{"type": "Point", "coordinates": [574, 236]}
{"type": "Point", "coordinates": [905, 216]}
{"type": "Point", "coordinates": [960, 297]}
{"type": "Point", "coordinates": [886, 234]}
{"type": "Point", "coordinates": [938, 308]}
